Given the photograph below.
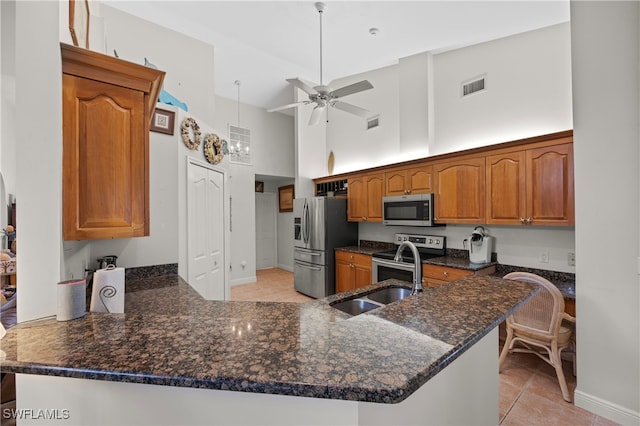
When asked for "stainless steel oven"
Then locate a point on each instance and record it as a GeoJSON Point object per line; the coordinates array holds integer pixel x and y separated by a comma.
{"type": "Point", "coordinates": [382, 269]}
{"type": "Point", "coordinates": [383, 265]}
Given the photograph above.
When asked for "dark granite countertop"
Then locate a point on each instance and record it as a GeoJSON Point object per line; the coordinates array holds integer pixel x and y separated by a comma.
{"type": "Point", "coordinates": [458, 263]}
{"type": "Point", "coordinates": [170, 336]}
{"type": "Point", "coordinates": [459, 259]}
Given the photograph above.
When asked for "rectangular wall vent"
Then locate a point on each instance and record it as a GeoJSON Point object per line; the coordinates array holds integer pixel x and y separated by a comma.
{"type": "Point", "coordinates": [474, 86]}
{"type": "Point", "coordinates": [373, 122]}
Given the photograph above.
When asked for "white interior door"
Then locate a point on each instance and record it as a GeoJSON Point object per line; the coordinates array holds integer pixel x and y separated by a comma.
{"type": "Point", "coordinates": [205, 227]}
{"type": "Point", "coordinates": [266, 230]}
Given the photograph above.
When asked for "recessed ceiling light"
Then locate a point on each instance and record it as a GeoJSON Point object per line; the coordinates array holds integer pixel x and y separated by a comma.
{"type": "Point", "coordinates": [374, 31]}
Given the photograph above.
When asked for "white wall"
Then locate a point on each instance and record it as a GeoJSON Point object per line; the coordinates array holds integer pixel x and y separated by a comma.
{"type": "Point", "coordinates": [355, 147]}
{"type": "Point", "coordinates": [8, 95]}
{"type": "Point", "coordinates": [421, 111]}
{"type": "Point", "coordinates": [606, 98]}
{"type": "Point", "coordinates": [285, 227]}
{"type": "Point", "coordinates": [528, 80]}
{"type": "Point", "coordinates": [188, 62]}
{"type": "Point", "coordinates": [514, 246]}
{"type": "Point", "coordinates": [38, 151]}
{"type": "Point", "coordinates": [272, 153]}
{"type": "Point", "coordinates": [434, 119]}
{"type": "Point", "coordinates": [311, 153]}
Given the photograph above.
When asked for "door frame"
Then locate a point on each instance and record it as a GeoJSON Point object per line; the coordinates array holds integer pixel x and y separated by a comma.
{"type": "Point", "coordinates": [226, 235]}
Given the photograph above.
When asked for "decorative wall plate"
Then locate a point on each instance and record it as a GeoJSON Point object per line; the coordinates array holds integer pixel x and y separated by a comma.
{"type": "Point", "coordinates": [330, 163]}
{"type": "Point", "coordinates": [187, 125]}
{"type": "Point", "coordinates": [213, 148]}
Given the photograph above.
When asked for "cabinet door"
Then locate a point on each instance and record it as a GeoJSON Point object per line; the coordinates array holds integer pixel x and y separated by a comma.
{"type": "Point", "coordinates": [506, 188]}
{"type": "Point", "coordinates": [362, 276]}
{"type": "Point", "coordinates": [105, 161]}
{"type": "Point", "coordinates": [374, 191]}
{"type": "Point", "coordinates": [443, 273]}
{"type": "Point", "coordinates": [362, 270]}
{"type": "Point", "coordinates": [419, 180]}
{"type": "Point", "coordinates": [344, 276]}
{"type": "Point", "coordinates": [356, 199]}
{"type": "Point", "coordinates": [395, 182]}
{"type": "Point", "coordinates": [550, 198]}
{"type": "Point", "coordinates": [459, 191]}
{"type": "Point", "coordinates": [412, 180]}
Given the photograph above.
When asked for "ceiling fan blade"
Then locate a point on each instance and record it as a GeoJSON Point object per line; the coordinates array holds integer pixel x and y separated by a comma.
{"type": "Point", "coordinates": [316, 115]}
{"type": "Point", "coordinates": [364, 113]}
{"type": "Point", "coordinates": [295, 104]}
{"type": "Point", "coordinates": [351, 89]}
{"type": "Point", "coordinates": [303, 85]}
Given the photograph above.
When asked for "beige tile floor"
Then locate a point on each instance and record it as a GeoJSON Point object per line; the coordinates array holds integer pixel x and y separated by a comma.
{"type": "Point", "coordinates": [529, 391]}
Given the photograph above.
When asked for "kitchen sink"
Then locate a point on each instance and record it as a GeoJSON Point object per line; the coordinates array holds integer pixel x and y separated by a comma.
{"type": "Point", "coordinates": [355, 306]}
{"type": "Point", "coordinates": [389, 294]}
{"type": "Point", "coordinates": [371, 301]}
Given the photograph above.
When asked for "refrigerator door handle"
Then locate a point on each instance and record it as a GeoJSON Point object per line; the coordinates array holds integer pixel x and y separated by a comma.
{"type": "Point", "coordinates": [302, 265]}
{"type": "Point", "coordinates": [306, 223]}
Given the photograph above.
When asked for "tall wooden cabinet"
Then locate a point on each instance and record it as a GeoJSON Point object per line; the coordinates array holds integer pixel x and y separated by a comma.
{"type": "Point", "coordinates": [531, 187]}
{"type": "Point", "coordinates": [365, 197]}
{"type": "Point", "coordinates": [107, 104]}
{"type": "Point", "coordinates": [459, 195]}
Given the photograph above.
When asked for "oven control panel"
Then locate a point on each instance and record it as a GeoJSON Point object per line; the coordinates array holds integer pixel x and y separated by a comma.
{"type": "Point", "coordinates": [422, 241]}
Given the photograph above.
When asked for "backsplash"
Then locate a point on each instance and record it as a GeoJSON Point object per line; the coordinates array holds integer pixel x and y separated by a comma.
{"type": "Point", "coordinates": [151, 271]}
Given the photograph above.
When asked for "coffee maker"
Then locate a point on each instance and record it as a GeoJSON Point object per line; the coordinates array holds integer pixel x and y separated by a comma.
{"type": "Point", "coordinates": [479, 245]}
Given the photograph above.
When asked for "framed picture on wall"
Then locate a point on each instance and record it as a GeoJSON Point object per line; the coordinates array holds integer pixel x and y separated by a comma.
{"type": "Point", "coordinates": [259, 186]}
{"type": "Point", "coordinates": [162, 121]}
{"type": "Point", "coordinates": [285, 198]}
{"type": "Point", "coordinates": [79, 22]}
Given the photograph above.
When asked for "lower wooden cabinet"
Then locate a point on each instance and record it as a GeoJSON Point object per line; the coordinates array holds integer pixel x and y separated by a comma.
{"type": "Point", "coordinates": [435, 275]}
{"type": "Point", "coordinates": [353, 270]}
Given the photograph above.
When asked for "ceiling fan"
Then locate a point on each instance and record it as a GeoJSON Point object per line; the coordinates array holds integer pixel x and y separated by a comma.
{"type": "Point", "coordinates": [324, 96]}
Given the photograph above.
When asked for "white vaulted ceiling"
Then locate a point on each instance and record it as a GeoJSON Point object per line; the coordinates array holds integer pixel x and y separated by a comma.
{"type": "Point", "coordinates": [261, 43]}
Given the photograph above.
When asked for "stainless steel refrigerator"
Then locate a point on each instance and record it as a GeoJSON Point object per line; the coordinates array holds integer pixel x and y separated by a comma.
{"type": "Point", "coordinates": [320, 226]}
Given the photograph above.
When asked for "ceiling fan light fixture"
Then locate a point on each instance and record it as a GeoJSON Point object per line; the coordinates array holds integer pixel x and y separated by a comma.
{"type": "Point", "coordinates": [324, 96]}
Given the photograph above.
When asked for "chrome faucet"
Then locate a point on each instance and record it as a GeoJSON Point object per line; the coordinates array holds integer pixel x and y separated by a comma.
{"type": "Point", "coordinates": [417, 273]}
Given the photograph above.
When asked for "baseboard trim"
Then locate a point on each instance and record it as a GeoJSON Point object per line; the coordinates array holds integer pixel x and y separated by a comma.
{"type": "Point", "coordinates": [286, 267]}
{"type": "Point", "coordinates": [245, 280]}
{"type": "Point", "coordinates": [606, 409]}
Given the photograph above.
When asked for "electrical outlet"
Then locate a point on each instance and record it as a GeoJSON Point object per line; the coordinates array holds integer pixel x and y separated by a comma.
{"type": "Point", "coordinates": [571, 259]}
{"type": "Point", "coordinates": [544, 256]}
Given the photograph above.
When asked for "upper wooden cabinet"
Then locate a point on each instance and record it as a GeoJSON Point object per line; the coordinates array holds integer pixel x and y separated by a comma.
{"type": "Point", "coordinates": [107, 105]}
{"type": "Point", "coordinates": [531, 187]}
{"type": "Point", "coordinates": [365, 197]}
{"type": "Point", "coordinates": [459, 195]}
{"type": "Point", "coordinates": [409, 180]}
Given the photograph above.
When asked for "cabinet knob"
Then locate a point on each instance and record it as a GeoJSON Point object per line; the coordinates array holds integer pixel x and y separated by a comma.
{"type": "Point", "coordinates": [364, 218]}
{"type": "Point", "coordinates": [528, 221]}
{"type": "Point", "coordinates": [445, 273]}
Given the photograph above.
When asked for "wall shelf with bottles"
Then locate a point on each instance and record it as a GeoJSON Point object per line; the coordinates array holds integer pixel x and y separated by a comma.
{"type": "Point", "coordinates": [334, 188]}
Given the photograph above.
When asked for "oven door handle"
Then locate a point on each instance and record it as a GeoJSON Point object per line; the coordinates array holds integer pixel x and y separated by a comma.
{"type": "Point", "coordinates": [391, 264]}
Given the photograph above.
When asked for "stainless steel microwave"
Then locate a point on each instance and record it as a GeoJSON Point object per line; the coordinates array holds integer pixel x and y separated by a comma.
{"type": "Point", "coordinates": [408, 210]}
